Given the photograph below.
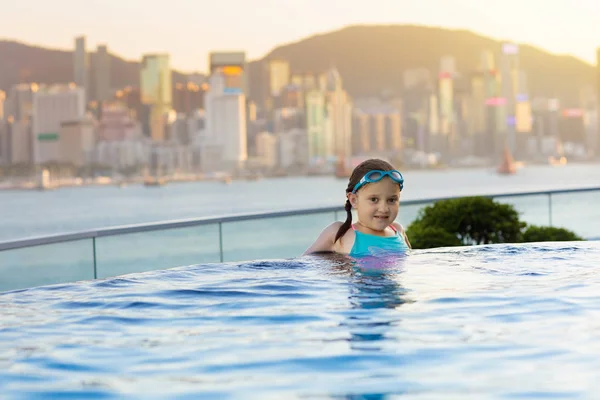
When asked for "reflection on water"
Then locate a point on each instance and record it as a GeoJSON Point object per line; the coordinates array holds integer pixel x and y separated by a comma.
{"type": "Point", "coordinates": [374, 284]}
{"type": "Point", "coordinates": [502, 321]}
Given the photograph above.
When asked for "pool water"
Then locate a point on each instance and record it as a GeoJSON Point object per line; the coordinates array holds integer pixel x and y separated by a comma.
{"type": "Point", "coordinates": [499, 321]}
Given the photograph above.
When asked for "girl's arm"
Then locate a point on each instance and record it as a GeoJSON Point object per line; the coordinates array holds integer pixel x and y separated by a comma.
{"type": "Point", "coordinates": [325, 240]}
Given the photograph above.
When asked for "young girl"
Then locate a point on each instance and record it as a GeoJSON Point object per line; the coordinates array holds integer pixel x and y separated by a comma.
{"type": "Point", "coordinates": [374, 191]}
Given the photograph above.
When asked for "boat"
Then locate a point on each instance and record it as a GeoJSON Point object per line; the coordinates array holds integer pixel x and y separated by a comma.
{"type": "Point", "coordinates": [152, 181]}
{"type": "Point", "coordinates": [557, 160]}
{"type": "Point", "coordinates": [507, 166]}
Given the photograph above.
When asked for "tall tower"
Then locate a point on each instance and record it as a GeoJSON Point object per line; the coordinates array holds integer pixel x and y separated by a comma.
{"type": "Point", "coordinates": [509, 78]}
{"type": "Point", "coordinates": [81, 65]}
{"type": "Point", "coordinates": [102, 69]}
{"type": "Point", "coordinates": [340, 113]}
{"type": "Point", "coordinates": [156, 93]}
{"type": "Point", "coordinates": [598, 99]}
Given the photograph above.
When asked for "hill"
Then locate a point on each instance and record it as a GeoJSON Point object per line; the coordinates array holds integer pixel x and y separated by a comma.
{"type": "Point", "coordinates": [24, 63]}
{"type": "Point", "coordinates": [371, 59]}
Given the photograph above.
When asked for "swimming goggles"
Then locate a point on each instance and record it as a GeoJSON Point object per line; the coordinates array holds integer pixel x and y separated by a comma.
{"type": "Point", "coordinates": [377, 175]}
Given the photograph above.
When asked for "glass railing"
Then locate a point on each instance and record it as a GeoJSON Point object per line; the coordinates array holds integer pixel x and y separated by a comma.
{"type": "Point", "coordinates": [137, 248]}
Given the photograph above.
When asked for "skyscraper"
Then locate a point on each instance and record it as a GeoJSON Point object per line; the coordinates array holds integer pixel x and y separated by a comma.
{"type": "Point", "coordinates": [156, 94]}
{"type": "Point", "coordinates": [226, 132]}
{"type": "Point", "coordinates": [81, 65]}
{"type": "Point", "coordinates": [316, 126]}
{"type": "Point", "coordinates": [598, 99]}
{"type": "Point", "coordinates": [2, 100]}
{"type": "Point", "coordinates": [340, 113]}
{"type": "Point", "coordinates": [509, 78]}
{"type": "Point", "coordinates": [102, 74]}
{"type": "Point", "coordinates": [51, 107]}
{"type": "Point", "coordinates": [441, 142]}
{"type": "Point", "coordinates": [279, 76]}
{"type": "Point", "coordinates": [232, 66]}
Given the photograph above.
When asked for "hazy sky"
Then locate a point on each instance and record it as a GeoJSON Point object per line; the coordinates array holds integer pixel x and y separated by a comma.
{"type": "Point", "coordinates": [189, 29]}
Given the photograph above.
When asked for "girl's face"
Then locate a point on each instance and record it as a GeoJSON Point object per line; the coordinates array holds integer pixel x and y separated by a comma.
{"type": "Point", "coordinates": [377, 204]}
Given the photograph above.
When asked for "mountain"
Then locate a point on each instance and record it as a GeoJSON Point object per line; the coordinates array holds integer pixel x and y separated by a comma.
{"type": "Point", "coordinates": [371, 59]}
{"type": "Point", "coordinates": [24, 63]}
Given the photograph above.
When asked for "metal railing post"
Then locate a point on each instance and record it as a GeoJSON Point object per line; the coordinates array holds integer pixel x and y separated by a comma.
{"type": "Point", "coordinates": [550, 208]}
{"type": "Point", "coordinates": [95, 262]}
{"type": "Point", "coordinates": [221, 241]}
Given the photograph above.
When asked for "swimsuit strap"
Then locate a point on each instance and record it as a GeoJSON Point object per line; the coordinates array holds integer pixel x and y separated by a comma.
{"type": "Point", "coordinates": [391, 226]}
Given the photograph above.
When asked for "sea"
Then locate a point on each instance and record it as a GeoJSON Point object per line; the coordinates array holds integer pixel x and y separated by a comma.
{"type": "Point", "coordinates": [36, 213]}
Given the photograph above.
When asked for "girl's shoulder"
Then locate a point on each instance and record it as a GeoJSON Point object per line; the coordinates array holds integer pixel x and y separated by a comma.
{"type": "Point", "coordinates": [398, 226]}
{"type": "Point", "coordinates": [402, 232]}
{"type": "Point", "coordinates": [326, 240]}
{"type": "Point", "coordinates": [346, 241]}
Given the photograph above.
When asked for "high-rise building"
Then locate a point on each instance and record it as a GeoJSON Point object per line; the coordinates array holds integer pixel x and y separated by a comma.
{"type": "Point", "coordinates": [418, 87]}
{"type": "Point", "coordinates": [51, 107]}
{"type": "Point", "coordinates": [4, 142]}
{"type": "Point", "coordinates": [477, 107]}
{"type": "Point", "coordinates": [266, 149]}
{"type": "Point", "coordinates": [433, 123]}
{"type": "Point", "coordinates": [393, 131]}
{"type": "Point", "coordinates": [279, 76]}
{"type": "Point", "coordinates": [77, 141]}
{"type": "Point", "coordinates": [523, 122]}
{"type": "Point", "coordinates": [340, 113]}
{"type": "Point", "coordinates": [441, 142]}
{"type": "Point", "coordinates": [156, 94]}
{"type": "Point", "coordinates": [2, 100]}
{"type": "Point", "coordinates": [597, 141]}
{"type": "Point", "coordinates": [361, 142]}
{"type": "Point", "coordinates": [232, 67]}
{"type": "Point", "coordinates": [189, 97]}
{"type": "Point", "coordinates": [17, 144]}
{"type": "Point", "coordinates": [116, 124]}
{"type": "Point", "coordinates": [81, 65]}
{"type": "Point", "coordinates": [376, 128]}
{"type": "Point", "coordinates": [102, 74]}
{"type": "Point", "coordinates": [290, 96]}
{"type": "Point", "coordinates": [19, 102]}
{"type": "Point", "coordinates": [316, 126]}
{"type": "Point", "coordinates": [509, 78]}
{"type": "Point", "coordinates": [293, 149]}
{"type": "Point", "coordinates": [226, 123]}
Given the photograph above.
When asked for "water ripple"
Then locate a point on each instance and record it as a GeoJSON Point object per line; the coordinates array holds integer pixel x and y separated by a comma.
{"type": "Point", "coordinates": [502, 321]}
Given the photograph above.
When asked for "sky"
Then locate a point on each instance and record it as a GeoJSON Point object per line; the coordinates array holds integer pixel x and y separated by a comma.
{"type": "Point", "coordinates": [190, 29]}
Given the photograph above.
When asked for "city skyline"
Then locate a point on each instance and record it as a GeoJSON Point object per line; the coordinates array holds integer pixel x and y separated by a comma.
{"type": "Point", "coordinates": [561, 27]}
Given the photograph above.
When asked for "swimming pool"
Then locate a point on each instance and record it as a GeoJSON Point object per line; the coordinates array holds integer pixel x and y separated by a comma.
{"type": "Point", "coordinates": [500, 321]}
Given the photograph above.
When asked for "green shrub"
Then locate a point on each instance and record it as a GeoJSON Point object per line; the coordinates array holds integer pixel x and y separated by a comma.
{"type": "Point", "coordinates": [535, 233]}
{"type": "Point", "coordinates": [472, 220]}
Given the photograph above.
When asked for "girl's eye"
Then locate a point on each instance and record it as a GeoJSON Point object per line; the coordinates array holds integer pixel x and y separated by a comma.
{"type": "Point", "coordinates": [393, 201]}
{"type": "Point", "coordinates": [374, 199]}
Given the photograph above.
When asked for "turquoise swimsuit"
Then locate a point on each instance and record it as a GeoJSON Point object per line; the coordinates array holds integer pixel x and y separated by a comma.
{"type": "Point", "coordinates": [371, 245]}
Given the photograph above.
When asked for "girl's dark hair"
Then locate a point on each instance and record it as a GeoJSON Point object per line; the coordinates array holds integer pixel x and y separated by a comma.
{"type": "Point", "coordinates": [360, 171]}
